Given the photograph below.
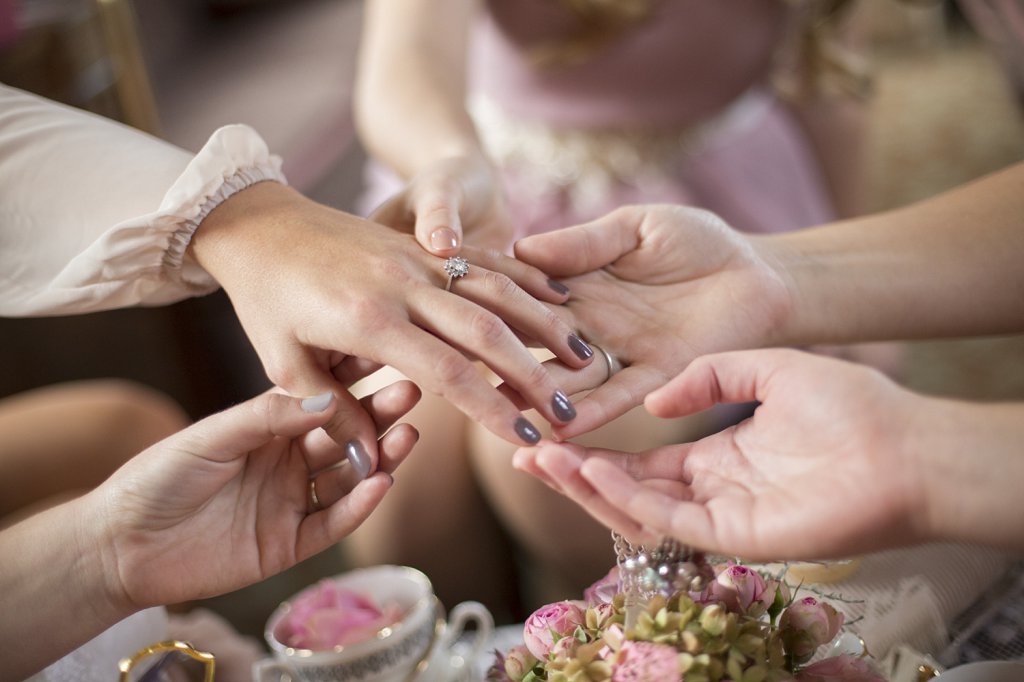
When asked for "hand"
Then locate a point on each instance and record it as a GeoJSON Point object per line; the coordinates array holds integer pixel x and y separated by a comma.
{"type": "Point", "coordinates": [821, 470]}
{"type": "Point", "coordinates": [456, 198]}
{"type": "Point", "coordinates": [315, 289]}
{"type": "Point", "coordinates": [655, 286]}
{"type": "Point", "coordinates": [226, 502]}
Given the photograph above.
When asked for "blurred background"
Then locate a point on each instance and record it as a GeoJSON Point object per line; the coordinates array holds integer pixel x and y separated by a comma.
{"type": "Point", "coordinates": [947, 108]}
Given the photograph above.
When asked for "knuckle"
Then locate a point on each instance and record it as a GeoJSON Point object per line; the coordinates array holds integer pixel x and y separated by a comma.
{"type": "Point", "coordinates": [488, 330]}
{"type": "Point", "coordinates": [500, 284]}
{"type": "Point", "coordinates": [452, 369]}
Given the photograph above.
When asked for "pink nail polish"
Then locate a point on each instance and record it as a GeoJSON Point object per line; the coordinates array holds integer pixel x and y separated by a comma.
{"type": "Point", "coordinates": [443, 238]}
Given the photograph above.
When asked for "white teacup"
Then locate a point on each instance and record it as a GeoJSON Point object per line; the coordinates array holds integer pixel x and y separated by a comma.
{"type": "Point", "coordinates": [418, 647]}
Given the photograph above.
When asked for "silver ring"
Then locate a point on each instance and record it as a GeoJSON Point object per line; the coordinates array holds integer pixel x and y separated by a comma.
{"type": "Point", "coordinates": [614, 366]}
{"type": "Point", "coordinates": [456, 267]}
{"type": "Point", "coordinates": [314, 501]}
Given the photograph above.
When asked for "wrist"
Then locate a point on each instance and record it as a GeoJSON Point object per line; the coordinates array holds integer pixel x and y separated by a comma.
{"type": "Point", "coordinates": [225, 233]}
{"type": "Point", "coordinates": [95, 543]}
{"type": "Point", "coordinates": [969, 465]}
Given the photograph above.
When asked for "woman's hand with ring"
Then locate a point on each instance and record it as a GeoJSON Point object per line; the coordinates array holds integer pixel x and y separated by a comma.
{"type": "Point", "coordinates": [317, 290]}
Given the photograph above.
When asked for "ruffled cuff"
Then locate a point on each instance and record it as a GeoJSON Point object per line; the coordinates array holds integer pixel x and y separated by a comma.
{"type": "Point", "coordinates": [234, 158]}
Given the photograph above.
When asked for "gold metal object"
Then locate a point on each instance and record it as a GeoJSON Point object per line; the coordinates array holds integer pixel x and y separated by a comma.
{"type": "Point", "coordinates": [126, 665]}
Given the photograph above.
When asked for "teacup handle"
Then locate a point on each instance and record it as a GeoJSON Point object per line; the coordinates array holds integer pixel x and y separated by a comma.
{"type": "Point", "coordinates": [271, 670]}
{"type": "Point", "coordinates": [462, 615]}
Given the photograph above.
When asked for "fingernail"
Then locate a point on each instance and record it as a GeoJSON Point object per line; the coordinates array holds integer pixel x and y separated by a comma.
{"type": "Point", "coordinates": [357, 457]}
{"type": "Point", "coordinates": [558, 287]}
{"type": "Point", "coordinates": [443, 238]}
{"type": "Point", "coordinates": [562, 406]}
{"type": "Point", "coordinates": [527, 431]}
{"type": "Point", "coordinates": [317, 403]}
{"type": "Point", "coordinates": [580, 348]}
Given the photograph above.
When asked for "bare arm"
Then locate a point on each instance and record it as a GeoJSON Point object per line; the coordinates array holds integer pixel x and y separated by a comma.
{"type": "Point", "coordinates": [948, 266]}
{"type": "Point", "coordinates": [411, 84]}
{"type": "Point", "coordinates": [411, 114]}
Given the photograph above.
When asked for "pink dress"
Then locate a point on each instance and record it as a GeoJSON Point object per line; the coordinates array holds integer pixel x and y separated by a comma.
{"type": "Point", "coordinates": [675, 108]}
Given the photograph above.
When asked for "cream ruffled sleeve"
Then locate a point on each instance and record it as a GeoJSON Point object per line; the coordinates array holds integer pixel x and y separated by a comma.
{"type": "Point", "coordinates": [95, 215]}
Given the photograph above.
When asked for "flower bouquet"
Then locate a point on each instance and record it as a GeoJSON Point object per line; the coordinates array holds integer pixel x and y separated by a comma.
{"type": "Point", "coordinates": [738, 626]}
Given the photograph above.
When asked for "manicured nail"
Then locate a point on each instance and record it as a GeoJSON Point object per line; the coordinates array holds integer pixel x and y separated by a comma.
{"type": "Point", "coordinates": [443, 238]}
{"type": "Point", "coordinates": [317, 403]}
{"type": "Point", "coordinates": [558, 287]}
{"type": "Point", "coordinates": [527, 431]}
{"type": "Point", "coordinates": [562, 406]}
{"type": "Point", "coordinates": [580, 347]}
{"type": "Point", "coordinates": [358, 458]}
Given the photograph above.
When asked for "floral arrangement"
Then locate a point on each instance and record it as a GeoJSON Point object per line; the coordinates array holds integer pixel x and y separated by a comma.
{"type": "Point", "coordinates": [327, 615]}
{"type": "Point", "coordinates": [741, 627]}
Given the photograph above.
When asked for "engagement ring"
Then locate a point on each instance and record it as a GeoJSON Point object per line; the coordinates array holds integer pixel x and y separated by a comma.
{"type": "Point", "coordinates": [456, 267]}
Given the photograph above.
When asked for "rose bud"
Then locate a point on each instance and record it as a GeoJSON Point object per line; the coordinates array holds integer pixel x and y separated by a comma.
{"type": "Point", "coordinates": [549, 623]}
{"type": "Point", "coordinates": [807, 624]}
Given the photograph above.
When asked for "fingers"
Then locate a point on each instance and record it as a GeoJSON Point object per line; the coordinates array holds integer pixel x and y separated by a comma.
{"type": "Point", "coordinates": [735, 377]}
{"type": "Point", "coordinates": [441, 369]}
{"type": "Point", "coordinates": [582, 248]}
{"type": "Point", "coordinates": [648, 508]}
{"type": "Point", "coordinates": [306, 373]}
{"type": "Point", "coordinates": [561, 466]}
{"type": "Point", "coordinates": [324, 528]}
{"type": "Point", "coordinates": [532, 280]}
{"type": "Point", "coordinates": [238, 430]}
{"type": "Point", "coordinates": [339, 480]}
{"type": "Point", "coordinates": [484, 335]}
{"type": "Point", "coordinates": [612, 399]}
{"type": "Point", "coordinates": [385, 407]}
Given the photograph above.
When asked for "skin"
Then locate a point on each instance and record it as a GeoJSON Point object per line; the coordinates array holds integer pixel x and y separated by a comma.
{"type": "Point", "coordinates": [218, 506]}
{"type": "Point", "coordinates": [828, 437]}
{"type": "Point", "coordinates": [645, 280]}
{"type": "Point", "coordinates": [316, 288]}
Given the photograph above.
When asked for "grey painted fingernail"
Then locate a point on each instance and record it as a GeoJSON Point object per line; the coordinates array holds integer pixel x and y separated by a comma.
{"type": "Point", "coordinates": [317, 403]}
{"type": "Point", "coordinates": [527, 431]}
{"type": "Point", "coordinates": [562, 406]}
{"type": "Point", "coordinates": [558, 287]}
{"type": "Point", "coordinates": [357, 457]}
{"type": "Point", "coordinates": [580, 347]}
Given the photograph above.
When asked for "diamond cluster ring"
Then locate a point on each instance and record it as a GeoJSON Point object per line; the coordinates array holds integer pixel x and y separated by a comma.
{"type": "Point", "coordinates": [456, 267]}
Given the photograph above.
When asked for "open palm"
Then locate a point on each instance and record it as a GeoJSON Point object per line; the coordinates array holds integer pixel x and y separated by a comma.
{"type": "Point", "coordinates": [810, 475]}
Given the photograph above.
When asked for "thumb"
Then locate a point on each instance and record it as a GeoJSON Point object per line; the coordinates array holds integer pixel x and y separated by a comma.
{"type": "Point", "coordinates": [734, 377]}
{"type": "Point", "coordinates": [582, 248]}
{"type": "Point", "coordinates": [437, 204]}
{"type": "Point", "coordinates": [249, 425]}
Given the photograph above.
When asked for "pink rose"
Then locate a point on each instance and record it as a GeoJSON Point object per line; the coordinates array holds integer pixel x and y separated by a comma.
{"type": "Point", "coordinates": [550, 623]}
{"type": "Point", "coordinates": [738, 588]}
{"type": "Point", "coordinates": [644, 661]}
{"type": "Point", "coordinates": [604, 590]}
{"type": "Point", "coordinates": [844, 668]}
{"type": "Point", "coordinates": [807, 624]}
{"type": "Point", "coordinates": [327, 616]}
{"type": "Point", "coordinates": [518, 663]}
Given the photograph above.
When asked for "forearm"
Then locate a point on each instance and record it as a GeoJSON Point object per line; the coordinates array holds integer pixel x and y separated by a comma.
{"type": "Point", "coordinates": [972, 467]}
{"type": "Point", "coordinates": [411, 85]}
{"type": "Point", "coordinates": [56, 587]}
{"type": "Point", "coordinates": [97, 215]}
{"type": "Point", "coordinates": [948, 266]}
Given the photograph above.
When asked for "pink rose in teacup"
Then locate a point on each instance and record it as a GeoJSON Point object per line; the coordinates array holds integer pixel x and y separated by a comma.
{"type": "Point", "coordinates": [329, 615]}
